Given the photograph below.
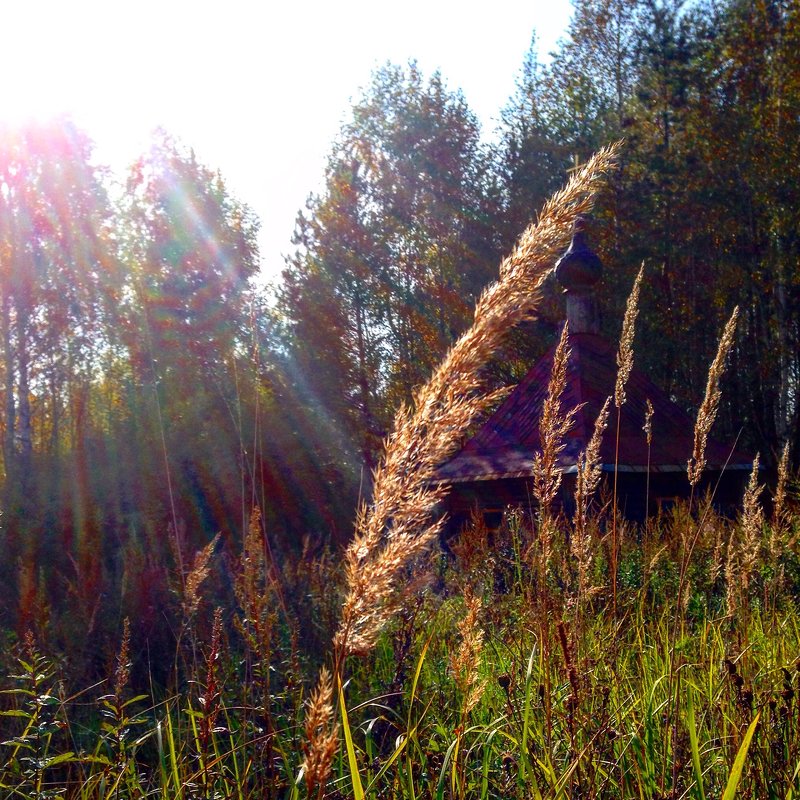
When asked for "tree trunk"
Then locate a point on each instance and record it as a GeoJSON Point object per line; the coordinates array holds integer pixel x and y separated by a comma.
{"type": "Point", "coordinates": [9, 449]}
{"type": "Point", "coordinates": [25, 430]}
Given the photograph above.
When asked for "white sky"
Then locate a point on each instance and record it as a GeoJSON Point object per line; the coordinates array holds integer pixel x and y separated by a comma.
{"type": "Point", "coordinates": [259, 90]}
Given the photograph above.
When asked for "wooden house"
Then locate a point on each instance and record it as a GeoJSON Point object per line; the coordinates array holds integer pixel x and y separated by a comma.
{"type": "Point", "coordinates": [493, 469]}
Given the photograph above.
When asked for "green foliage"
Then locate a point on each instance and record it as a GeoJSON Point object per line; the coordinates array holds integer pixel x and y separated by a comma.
{"type": "Point", "coordinates": [31, 756]}
{"type": "Point", "coordinates": [706, 96]}
{"type": "Point", "coordinates": [151, 396]}
{"type": "Point", "coordinates": [392, 255]}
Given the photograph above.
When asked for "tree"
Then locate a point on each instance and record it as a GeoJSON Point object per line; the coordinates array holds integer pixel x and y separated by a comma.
{"type": "Point", "coordinates": [392, 255]}
{"type": "Point", "coordinates": [58, 277]}
{"type": "Point", "coordinates": [706, 96]}
{"type": "Point", "coordinates": [190, 251]}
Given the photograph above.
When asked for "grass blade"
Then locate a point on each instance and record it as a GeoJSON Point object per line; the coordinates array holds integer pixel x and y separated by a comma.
{"type": "Point", "coordinates": [738, 763]}
{"type": "Point", "coordinates": [698, 773]}
{"type": "Point", "coordinates": [524, 766]}
{"type": "Point", "coordinates": [358, 790]}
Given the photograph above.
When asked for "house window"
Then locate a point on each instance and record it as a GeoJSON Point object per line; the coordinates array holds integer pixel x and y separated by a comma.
{"type": "Point", "coordinates": [492, 518]}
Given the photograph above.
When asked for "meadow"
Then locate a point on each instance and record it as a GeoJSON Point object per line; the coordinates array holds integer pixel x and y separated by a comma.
{"type": "Point", "coordinates": [490, 682]}
{"type": "Point", "coordinates": [552, 657]}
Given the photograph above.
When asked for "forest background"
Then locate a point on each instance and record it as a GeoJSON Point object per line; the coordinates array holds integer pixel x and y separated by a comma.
{"type": "Point", "coordinates": [153, 393]}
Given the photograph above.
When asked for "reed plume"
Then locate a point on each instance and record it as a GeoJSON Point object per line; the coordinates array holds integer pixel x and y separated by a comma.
{"type": "Point", "coordinates": [744, 544]}
{"type": "Point", "coordinates": [648, 423]}
{"type": "Point", "coordinates": [590, 470]}
{"type": "Point", "coordinates": [625, 352]}
{"type": "Point", "coordinates": [780, 516]}
{"type": "Point", "coordinates": [697, 461]}
{"type": "Point", "coordinates": [624, 367]}
{"type": "Point", "coordinates": [590, 466]}
{"type": "Point", "coordinates": [731, 576]}
{"type": "Point", "coordinates": [465, 663]}
{"type": "Point", "coordinates": [708, 408]}
{"type": "Point", "coordinates": [122, 670]}
{"type": "Point", "coordinates": [715, 566]}
{"type": "Point", "coordinates": [648, 432]}
{"type": "Point", "coordinates": [752, 524]}
{"type": "Point", "coordinates": [322, 736]}
{"type": "Point", "coordinates": [258, 594]}
{"type": "Point", "coordinates": [396, 528]}
{"type": "Point", "coordinates": [197, 575]}
{"type": "Point", "coordinates": [553, 428]}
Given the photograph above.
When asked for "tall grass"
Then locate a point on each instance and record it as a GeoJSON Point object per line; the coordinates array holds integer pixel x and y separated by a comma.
{"type": "Point", "coordinates": [471, 694]}
{"type": "Point", "coordinates": [550, 658]}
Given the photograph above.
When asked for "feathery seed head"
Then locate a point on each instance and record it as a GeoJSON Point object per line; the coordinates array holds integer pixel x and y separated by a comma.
{"type": "Point", "coordinates": [196, 577]}
{"type": "Point", "coordinates": [648, 423]}
{"type": "Point", "coordinates": [122, 672]}
{"type": "Point", "coordinates": [586, 482]}
{"type": "Point", "coordinates": [752, 522]}
{"type": "Point", "coordinates": [779, 512]}
{"type": "Point", "coordinates": [553, 427]}
{"type": "Point", "coordinates": [708, 408]}
{"type": "Point", "coordinates": [395, 529]}
{"type": "Point", "coordinates": [465, 663]}
{"type": "Point", "coordinates": [625, 353]}
{"type": "Point", "coordinates": [322, 736]}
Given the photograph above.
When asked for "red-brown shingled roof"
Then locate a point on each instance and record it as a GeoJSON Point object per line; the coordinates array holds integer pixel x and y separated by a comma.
{"type": "Point", "coordinates": [505, 445]}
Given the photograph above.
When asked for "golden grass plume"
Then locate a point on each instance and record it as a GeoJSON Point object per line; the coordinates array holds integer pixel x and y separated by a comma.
{"type": "Point", "coordinates": [780, 515]}
{"type": "Point", "coordinates": [396, 528]}
{"type": "Point", "coordinates": [587, 480]}
{"type": "Point", "coordinates": [625, 353]}
{"type": "Point", "coordinates": [648, 422]}
{"type": "Point", "coordinates": [322, 737]}
{"type": "Point", "coordinates": [200, 570]}
{"type": "Point", "coordinates": [465, 662]}
{"type": "Point", "coordinates": [708, 408]}
{"type": "Point", "coordinates": [752, 523]}
{"type": "Point", "coordinates": [553, 427]}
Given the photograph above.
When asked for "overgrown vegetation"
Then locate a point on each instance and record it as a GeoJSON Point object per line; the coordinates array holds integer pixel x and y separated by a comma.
{"type": "Point", "coordinates": [493, 681]}
{"type": "Point", "coordinates": [151, 399]}
{"type": "Point", "coordinates": [549, 658]}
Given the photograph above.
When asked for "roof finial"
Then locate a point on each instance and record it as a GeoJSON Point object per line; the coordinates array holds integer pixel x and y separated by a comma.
{"type": "Point", "coordinates": [578, 270]}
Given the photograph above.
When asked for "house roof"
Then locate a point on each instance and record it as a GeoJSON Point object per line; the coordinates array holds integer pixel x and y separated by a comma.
{"type": "Point", "coordinates": [506, 444]}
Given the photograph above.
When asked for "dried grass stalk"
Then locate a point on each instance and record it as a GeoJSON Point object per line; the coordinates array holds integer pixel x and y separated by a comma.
{"type": "Point", "coordinates": [256, 592]}
{"type": "Point", "coordinates": [780, 515]}
{"type": "Point", "coordinates": [590, 470]}
{"type": "Point", "coordinates": [648, 423]}
{"type": "Point", "coordinates": [752, 525]}
{"type": "Point", "coordinates": [122, 670]}
{"type": "Point", "coordinates": [553, 427]}
{"type": "Point", "coordinates": [197, 575]}
{"type": "Point", "coordinates": [743, 556]}
{"type": "Point", "coordinates": [465, 663]}
{"type": "Point", "coordinates": [322, 736]}
{"type": "Point", "coordinates": [396, 527]}
{"type": "Point", "coordinates": [731, 577]}
{"type": "Point", "coordinates": [708, 408]}
{"type": "Point", "coordinates": [715, 568]}
{"type": "Point", "coordinates": [625, 352]}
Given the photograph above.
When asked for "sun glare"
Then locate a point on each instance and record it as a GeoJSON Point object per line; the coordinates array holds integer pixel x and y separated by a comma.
{"type": "Point", "coordinates": [259, 91]}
